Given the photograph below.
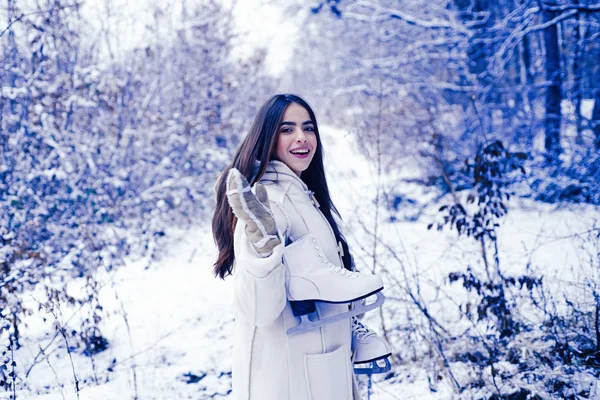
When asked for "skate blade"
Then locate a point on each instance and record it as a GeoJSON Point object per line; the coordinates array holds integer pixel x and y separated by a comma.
{"type": "Point", "coordinates": [375, 368]}
{"type": "Point", "coordinates": [306, 324]}
{"type": "Point", "coordinates": [372, 359]}
{"type": "Point", "coordinates": [366, 296]}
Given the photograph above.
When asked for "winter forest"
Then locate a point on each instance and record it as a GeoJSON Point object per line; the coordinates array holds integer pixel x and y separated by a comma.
{"type": "Point", "coordinates": [462, 147]}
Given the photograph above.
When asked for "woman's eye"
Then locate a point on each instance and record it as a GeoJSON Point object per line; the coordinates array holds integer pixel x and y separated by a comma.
{"type": "Point", "coordinates": [310, 128]}
{"type": "Point", "coordinates": [286, 130]}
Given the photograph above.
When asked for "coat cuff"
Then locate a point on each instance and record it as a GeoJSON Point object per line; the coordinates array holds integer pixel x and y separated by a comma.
{"type": "Point", "coordinates": [258, 265]}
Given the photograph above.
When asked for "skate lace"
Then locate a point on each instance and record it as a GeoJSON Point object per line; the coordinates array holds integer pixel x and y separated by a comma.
{"type": "Point", "coordinates": [343, 271]}
{"type": "Point", "coordinates": [359, 330]}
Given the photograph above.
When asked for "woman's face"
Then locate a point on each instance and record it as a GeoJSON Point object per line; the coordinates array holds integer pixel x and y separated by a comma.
{"type": "Point", "coordinates": [296, 140]}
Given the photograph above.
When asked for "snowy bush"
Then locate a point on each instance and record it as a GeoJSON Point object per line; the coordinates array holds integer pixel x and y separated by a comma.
{"type": "Point", "coordinates": [98, 162]}
{"type": "Point", "coordinates": [519, 354]}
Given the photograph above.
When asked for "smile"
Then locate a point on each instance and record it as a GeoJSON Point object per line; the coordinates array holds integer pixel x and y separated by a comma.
{"type": "Point", "coordinates": [300, 153]}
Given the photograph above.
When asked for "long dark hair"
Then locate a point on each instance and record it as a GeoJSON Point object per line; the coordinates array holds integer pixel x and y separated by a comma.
{"type": "Point", "coordinates": [259, 145]}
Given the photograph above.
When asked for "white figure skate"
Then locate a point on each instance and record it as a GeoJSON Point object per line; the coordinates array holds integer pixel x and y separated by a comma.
{"type": "Point", "coordinates": [369, 348]}
{"type": "Point", "coordinates": [313, 278]}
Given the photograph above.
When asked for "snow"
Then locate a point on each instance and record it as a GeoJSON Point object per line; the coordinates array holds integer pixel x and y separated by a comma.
{"type": "Point", "coordinates": [263, 23]}
{"type": "Point", "coordinates": [259, 24]}
{"type": "Point", "coordinates": [180, 320]}
{"type": "Point", "coordinates": [170, 323]}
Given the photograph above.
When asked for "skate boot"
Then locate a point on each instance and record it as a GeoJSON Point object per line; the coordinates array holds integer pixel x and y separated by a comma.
{"type": "Point", "coordinates": [369, 348]}
{"type": "Point", "coordinates": [313, 278]}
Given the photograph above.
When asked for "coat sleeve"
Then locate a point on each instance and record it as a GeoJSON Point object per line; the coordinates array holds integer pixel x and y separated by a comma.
{"type": "Point", "coordinates": [260, 281]}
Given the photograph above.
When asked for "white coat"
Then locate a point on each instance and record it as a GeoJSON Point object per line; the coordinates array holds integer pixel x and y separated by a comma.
{"type": "Point", "coordinates": [267, 363]}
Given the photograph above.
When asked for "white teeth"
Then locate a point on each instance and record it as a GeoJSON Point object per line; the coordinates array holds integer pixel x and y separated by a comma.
{"type": "Point", "coordinates": [299, 151]}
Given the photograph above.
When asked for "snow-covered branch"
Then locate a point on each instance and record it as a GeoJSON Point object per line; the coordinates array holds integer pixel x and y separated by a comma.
{"type": "Point", "coordinates": [381, 13]}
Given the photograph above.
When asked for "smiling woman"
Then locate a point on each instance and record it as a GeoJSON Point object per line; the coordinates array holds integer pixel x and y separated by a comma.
{"type": "Point", "coordinates": [289, 259]}
{"type": "Point", "coordinates": [297, 140]}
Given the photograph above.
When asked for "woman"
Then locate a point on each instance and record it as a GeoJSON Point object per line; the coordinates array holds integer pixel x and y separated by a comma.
{"type": "Point", "coordinates": [282, 158]}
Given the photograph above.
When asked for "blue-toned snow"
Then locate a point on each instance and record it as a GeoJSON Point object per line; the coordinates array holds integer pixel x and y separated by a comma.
{"type": "Point", "coordinates": [178, 345]}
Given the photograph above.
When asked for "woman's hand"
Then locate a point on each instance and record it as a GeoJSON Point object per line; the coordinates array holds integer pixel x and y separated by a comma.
{"type": "Point", "coordinates": [254, 211]}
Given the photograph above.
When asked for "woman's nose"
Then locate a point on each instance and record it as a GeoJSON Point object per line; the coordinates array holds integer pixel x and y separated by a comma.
{"type": "Point", "coordinates": [301, 136]}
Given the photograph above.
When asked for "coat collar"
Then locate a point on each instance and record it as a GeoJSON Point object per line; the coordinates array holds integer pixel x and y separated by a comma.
{"type": "Point", "coordinates": [278, 171]}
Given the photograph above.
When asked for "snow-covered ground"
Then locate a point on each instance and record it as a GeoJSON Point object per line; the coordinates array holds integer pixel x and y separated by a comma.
{"type": "Point", "coordinates": [179, 320]}
{"type": "Point", "coordinates": [170, 325]}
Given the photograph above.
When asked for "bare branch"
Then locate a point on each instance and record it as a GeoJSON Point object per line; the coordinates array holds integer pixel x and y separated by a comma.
{"type": "Point", "coordinates": [11, 23]}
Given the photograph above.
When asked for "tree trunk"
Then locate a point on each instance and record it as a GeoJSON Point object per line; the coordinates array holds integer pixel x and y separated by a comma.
{"type": "Point", "coordinates": [595, 123]}
{"type": "Point", "coordinates": [527, 62]}
{"type": "Point", "coordinates": [577, 70]}
{"type": "Point", "coordinates": [553, 92]}
{"type": "Point", "coordinates": [596, 117]}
